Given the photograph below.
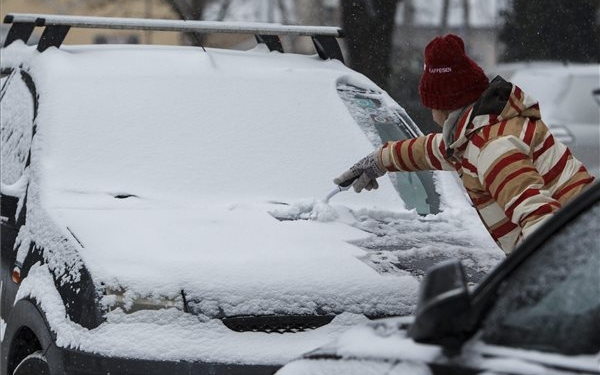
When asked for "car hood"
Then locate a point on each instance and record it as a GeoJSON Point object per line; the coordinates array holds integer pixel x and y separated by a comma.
{"type": "Point", "coordinates": [234, 259]}
{"type": "Point", "coordinates": [379, 340]}
{"type": "Point", "coordinates": [383, 347]}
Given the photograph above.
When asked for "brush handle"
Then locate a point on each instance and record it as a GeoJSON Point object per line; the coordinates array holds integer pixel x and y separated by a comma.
{"type": "Point", "coordinates": [348, 182]}
{"type": "Point", "coordinates": [337, 189]}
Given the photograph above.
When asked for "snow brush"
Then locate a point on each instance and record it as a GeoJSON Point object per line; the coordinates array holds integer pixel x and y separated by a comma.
{"type": "Point", "coordinates": [338, 189]}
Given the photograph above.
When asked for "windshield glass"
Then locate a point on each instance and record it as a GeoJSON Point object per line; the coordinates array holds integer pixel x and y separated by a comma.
{"type": "Point", "coordinates": [382, 123]}
{"type": "Point", "coordinates": [166, 124]}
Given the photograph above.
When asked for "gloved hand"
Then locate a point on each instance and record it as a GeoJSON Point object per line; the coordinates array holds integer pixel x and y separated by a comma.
{"type": "Point", "coordinates": [363, 174]}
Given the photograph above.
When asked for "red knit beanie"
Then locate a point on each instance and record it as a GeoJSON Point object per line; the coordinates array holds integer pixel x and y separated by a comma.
{"type": "Point", "coordinates": [450, 78]}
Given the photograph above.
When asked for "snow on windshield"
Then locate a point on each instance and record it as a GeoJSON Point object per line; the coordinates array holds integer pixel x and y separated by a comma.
{"type": "Point", "coordinates": [191, 126]}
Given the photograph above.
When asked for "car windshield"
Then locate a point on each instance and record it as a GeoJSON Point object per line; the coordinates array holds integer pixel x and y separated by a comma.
{"type": "Point", "coordinates": [178, 125]}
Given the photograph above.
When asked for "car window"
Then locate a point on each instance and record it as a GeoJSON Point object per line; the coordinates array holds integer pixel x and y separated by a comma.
{"type": "Point", "coordinates": [551, 302]}
{"type": "Point", "coordinates": [16, 119]}
{"type": "Point", "coordinates": [384, 123]}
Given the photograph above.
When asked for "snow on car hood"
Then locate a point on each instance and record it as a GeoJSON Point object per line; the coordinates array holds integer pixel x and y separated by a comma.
{"type": "Point", "coordinates": [236, 259]}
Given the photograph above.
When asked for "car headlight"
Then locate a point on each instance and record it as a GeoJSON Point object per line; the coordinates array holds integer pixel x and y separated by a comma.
{"type": "Point", "coordinates": [130, 302]}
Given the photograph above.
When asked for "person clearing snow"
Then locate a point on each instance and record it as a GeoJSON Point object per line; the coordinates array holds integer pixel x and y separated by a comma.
{"type": "Point", "coordinates": [515, 172]}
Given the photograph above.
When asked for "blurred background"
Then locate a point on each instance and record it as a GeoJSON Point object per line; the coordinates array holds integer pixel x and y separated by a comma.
{"type": "Point", "coordinates": [384, 39]}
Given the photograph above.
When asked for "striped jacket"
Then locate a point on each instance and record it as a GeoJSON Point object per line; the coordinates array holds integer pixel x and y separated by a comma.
{"type": "Point", "coordinates": [515, 172]}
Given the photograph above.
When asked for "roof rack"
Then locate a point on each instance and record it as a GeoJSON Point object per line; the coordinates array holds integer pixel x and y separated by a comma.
{"type": "Point", "coordinates": [56, 28]}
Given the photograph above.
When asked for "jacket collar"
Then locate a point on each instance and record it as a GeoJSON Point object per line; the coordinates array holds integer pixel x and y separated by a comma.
{"type": "Point", "coordinates": [501, 101]}
{"type": "Point", "coordinates": [454, 129]}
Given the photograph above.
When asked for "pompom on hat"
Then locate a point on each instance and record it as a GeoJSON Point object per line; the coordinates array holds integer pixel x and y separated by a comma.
{"type": "Point", "coordinates": [450, 79]}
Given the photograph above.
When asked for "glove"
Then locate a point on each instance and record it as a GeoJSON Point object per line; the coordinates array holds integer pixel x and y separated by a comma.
{"type": "Point", "coordinates": [363, 174]}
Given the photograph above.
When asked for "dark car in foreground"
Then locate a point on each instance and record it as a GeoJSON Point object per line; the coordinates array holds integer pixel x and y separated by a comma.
{"type": "Point", "coordinates": [538, 312]}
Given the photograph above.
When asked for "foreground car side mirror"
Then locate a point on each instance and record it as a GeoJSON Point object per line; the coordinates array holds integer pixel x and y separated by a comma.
{"type": "Point", "coordinates": [443, 305]}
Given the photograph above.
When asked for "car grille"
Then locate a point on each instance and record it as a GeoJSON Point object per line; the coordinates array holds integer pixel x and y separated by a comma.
{"type": "Point", "coordinates": [276, 323]}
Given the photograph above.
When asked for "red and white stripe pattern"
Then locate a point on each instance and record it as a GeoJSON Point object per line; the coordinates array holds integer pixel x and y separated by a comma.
{"type": "Point", "coordinates": [514, 170]}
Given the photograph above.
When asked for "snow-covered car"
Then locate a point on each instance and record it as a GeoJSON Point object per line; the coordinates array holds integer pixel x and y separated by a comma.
{"type": "Point", "coordinates": [538, 312]}
{"type": "Point", "coordinates": [567, 102]}
{"type": "Point", "coordinates": [162, 206]}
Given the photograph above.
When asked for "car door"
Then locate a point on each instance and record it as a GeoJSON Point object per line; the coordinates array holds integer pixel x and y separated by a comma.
{"type": "Point", "coordinates": [546, 318]}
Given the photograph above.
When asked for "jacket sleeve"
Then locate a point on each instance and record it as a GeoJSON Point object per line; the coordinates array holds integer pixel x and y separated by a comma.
{"type": "Point", "coordinates": [506, 171]}
{"type": "Point", "coordinates": [416, 154]}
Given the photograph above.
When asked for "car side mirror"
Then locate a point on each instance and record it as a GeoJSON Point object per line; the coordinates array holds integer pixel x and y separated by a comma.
{"type": "Point", "coordinates": [443, 300]}
{"type": "Point", "coordinates": [596, 94]}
